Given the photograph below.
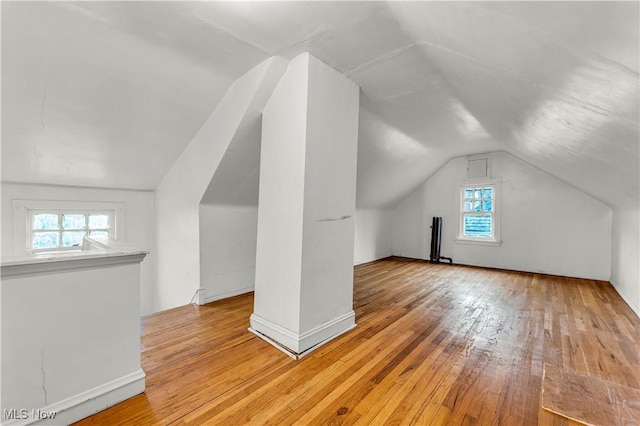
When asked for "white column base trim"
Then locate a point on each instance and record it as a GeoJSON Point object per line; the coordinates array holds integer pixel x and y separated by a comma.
{"type": "Point", "coordinates": [275, 344]}
{"type": "Point", "coordinates": [84, 404]}
{"type": "Point", "coordinates": [297, 345]}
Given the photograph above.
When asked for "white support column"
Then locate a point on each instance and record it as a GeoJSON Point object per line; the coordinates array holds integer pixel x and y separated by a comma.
{"type": "Point", "coordinates": [304, 260]}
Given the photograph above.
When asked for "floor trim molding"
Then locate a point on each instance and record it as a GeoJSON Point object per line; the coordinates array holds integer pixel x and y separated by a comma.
{"type": "Point", "coordinates": [84, 404]}
{"type": "Point", "coordinates": [219, 296]}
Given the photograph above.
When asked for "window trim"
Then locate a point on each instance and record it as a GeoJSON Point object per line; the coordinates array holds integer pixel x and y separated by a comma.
{"type": "Point", "coordinates": [475, 183]}
{"type": "Point", "coordinates": [23, 211]}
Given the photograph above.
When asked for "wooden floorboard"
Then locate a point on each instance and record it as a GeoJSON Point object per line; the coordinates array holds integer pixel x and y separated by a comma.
{"type": "Point", "coordinates": [435, 344]}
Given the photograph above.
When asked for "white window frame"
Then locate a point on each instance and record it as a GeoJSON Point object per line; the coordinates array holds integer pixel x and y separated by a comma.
{"type": "Point", "coordinates": [60, 230]}
{"type": "Point", "coordinates": [494, 239]}
{"type": "Point", "coordinates": [23, 211]}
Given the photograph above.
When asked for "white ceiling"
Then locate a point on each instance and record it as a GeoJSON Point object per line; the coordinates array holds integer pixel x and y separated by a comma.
{"type": "Point", "coordinates": [109, 93]}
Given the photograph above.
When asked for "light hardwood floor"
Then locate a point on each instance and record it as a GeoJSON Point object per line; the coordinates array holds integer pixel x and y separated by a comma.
{"type": "Point", "coordinates": [435, 344]}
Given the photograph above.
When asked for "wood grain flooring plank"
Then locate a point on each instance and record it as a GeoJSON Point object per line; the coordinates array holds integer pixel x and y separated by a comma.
{"type": "Point", "coordinates": [434, 344]}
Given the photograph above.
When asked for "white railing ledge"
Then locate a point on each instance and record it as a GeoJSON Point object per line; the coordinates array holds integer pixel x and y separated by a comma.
{"type": "Point", "coordinates": [90, 256]}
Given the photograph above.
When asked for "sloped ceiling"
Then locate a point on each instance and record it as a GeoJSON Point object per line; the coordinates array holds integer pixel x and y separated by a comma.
{"type": "Point", "coordinates": [109, 93]}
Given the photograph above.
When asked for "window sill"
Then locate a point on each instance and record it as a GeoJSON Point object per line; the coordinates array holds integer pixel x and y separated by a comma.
{"type": "Point", "coordinates": [493, 243]}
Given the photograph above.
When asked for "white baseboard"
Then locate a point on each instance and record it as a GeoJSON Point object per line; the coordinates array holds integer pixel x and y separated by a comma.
{"type": "Point", "coordinates": [297, 345]}
{"type": "Point", "coordinates": [225, 295]}
{"type": "Point", "coordinates": [84, 404]}
{"type": "Point", "coordinates": [464, 262]}
{"type": "Point", "coordinates": [378, 256]}
{"type": "Point", "coordinates": [633, 307]}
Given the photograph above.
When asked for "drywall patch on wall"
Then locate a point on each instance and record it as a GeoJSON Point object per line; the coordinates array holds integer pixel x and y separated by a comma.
{"type": "Point", "coordinates": [547, 226]}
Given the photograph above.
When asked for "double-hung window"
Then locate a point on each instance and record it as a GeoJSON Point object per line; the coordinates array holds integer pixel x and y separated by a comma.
{"type": "Point", "coordinates": [479, 211]}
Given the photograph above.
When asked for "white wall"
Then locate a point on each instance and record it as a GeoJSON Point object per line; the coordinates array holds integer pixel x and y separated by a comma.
{"type": "Point", "coordinates": [179, 194]}
{"type": "Point", "coordinates": [139, 226]}
{"type": "Point", "coordinates": [408, 223]}
{"type": "Point", "coordinates": [547, 225]}
{"type": "Point", "coordinates": [625, 272]}
{"type": "Point", "coordinates": [71, 337]}
{"type": "Point", "coordinates": [227, 250]}
{"type": "Point", "coordinates": [372, 235]}
{"type": "Point", "coordinates": [228, 237]}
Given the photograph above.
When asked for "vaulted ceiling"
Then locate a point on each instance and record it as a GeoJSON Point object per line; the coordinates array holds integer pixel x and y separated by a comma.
{"type": "Point", "coordinates": [108, 94]}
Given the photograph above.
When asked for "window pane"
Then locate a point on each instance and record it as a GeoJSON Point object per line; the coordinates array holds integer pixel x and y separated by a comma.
{"type": "Point", "coordinates": [478, 193]}
{"type": "Point", "coordinates": [468, 193]}
{"type": "Point", "coordinates": [488, 193]}
{"type": "Point", "coordinates": [70, 239]}
{"type": "Point", "coordinates": [99, 234]}
{"type": "Point", "coordinates": [487, 205]}
{"type": "Point", "coordinates": [476, 206]}
{"type": "Point", "coordinates": [468, 205]}
{"type": "Point", "coordinates": [477, 226]}
{"type": "Point", "coordinates": [45, 240]}
{"type": "Point", "coordinates": [98, 221]}
{"type": "Point", "coordinates": [73, 221]}
{"type": "Point", "coordinates": [45, 221]}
